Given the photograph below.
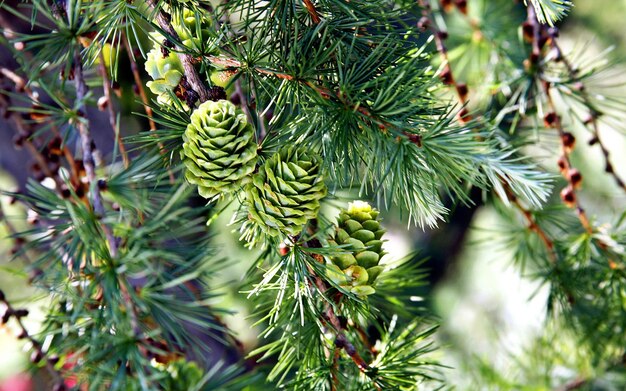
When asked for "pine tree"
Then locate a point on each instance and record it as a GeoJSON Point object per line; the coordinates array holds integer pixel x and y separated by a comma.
{"type": "Point", "coordinates": [287, 114]}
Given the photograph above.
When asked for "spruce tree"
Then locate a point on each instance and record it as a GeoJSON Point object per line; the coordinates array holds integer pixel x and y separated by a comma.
{"type": "Point", "coordinates": [304, 123]}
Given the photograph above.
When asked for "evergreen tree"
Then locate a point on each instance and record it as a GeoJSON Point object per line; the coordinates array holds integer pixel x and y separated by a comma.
{"type": "Point", "coordinates": [286, 114]}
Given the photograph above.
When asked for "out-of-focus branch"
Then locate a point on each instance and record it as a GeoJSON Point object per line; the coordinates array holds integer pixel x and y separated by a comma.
{"type": "Point", "coordinates": [38, 355]}
{"type": "Point", "coordinates": [553, 120]}
{"type": "Point", "coordinates": [593, 115]}
{"type": "Point", "coordinates": [427, 22]}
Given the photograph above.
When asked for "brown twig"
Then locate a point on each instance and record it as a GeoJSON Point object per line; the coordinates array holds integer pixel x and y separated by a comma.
{"type": "Point", "coordinates": [106, 87]}
{"type": "Point", "coordinates": [574, 384]}
{"type": "Point", "coordinates": [553, 120]}
{"type": "Point", "coordinates": [334, 370]}
{"type": "Point", "coordinates": [139, 83]}
{"type": "Point", "coordinates": [591, 122]}
{"type": "Point", "coordinates": [331, 318]}
{"type": "Point", "coordinates": [74, 174]}
{"type": "Point", "coordinates": [364, 338]}
{"type": "Point", "coordinates": [20, 83]}
{"type": "Point", "coordinates": [312, 11]}
{"type": "Point", "coordinates": [532, 224]}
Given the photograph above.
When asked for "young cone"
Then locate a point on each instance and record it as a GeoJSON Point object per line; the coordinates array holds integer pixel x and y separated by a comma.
{"type": "Point", "coordinates": [286, 192]}
{"type": "Point", "coordinates": [219, 149]}
{"type": "Point", "coordinates": [163, 64]}
{"type": "Point", "coordinates": [165, 71]}
{"type": "Point", "coordinates": [358, 228]}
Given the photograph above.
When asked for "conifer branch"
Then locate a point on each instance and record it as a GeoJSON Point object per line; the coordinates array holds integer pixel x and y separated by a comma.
{"type": "Point", "coordinates": [427, 22]}
{"type": "Point", "coordinates": [325, 93]}
{"type": "Point", "coordinates": [106, 87]}
{"type": "Point", "coordinates": [341, 341]}
{"type": "Point", "coordinates": [447, 76]}
{"type": "Point", "coordinates": [88, 149]}
{"type": "Point", "coordinates": [330, 317]}
{"type": "Point", "coordinates": [353, 91]}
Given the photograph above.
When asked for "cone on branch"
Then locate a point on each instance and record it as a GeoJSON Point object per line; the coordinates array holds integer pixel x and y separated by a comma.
{"type": "Point", "coordinates": [286, 192]}
{"type": "Point", "coordinates": [359, 231]}
{"type": "Point", "coordinates": [163, 64]}
{"type": "Point", "coordinates": [192, 34]}
{"type": "Point", "coordinates": [219, 150]}
{"type": "Point", "coordinates": [166, 72]}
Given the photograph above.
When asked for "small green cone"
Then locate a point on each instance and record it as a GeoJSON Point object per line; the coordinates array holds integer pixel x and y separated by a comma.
{"type": "Point", "coordinates": [166, 70]}
{"type": "Point", "coordinates": [219, 150]}
{"type": "Point", "coordinates": [286, 191]}
{"type": "Point", "coordinates": [359, 230]}
{"type": "Point", "coordinates": [192, 35]}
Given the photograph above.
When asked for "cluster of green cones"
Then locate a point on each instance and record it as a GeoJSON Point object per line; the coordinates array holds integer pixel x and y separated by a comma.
{"type": "Point", "coordinates": [220, 156]}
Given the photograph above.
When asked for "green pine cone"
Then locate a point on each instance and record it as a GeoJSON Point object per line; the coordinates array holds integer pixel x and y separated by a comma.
{"type": "Point", "coordinates": [219, 150]}
{"type": "Point", "coordinates": [359, 229]}
{"type": "Point", "coordinates": [165, 72]}
{"type": "Point", "coordinates": [286, 192]}
{"type": "Point", "coordinates": [191, 34]}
